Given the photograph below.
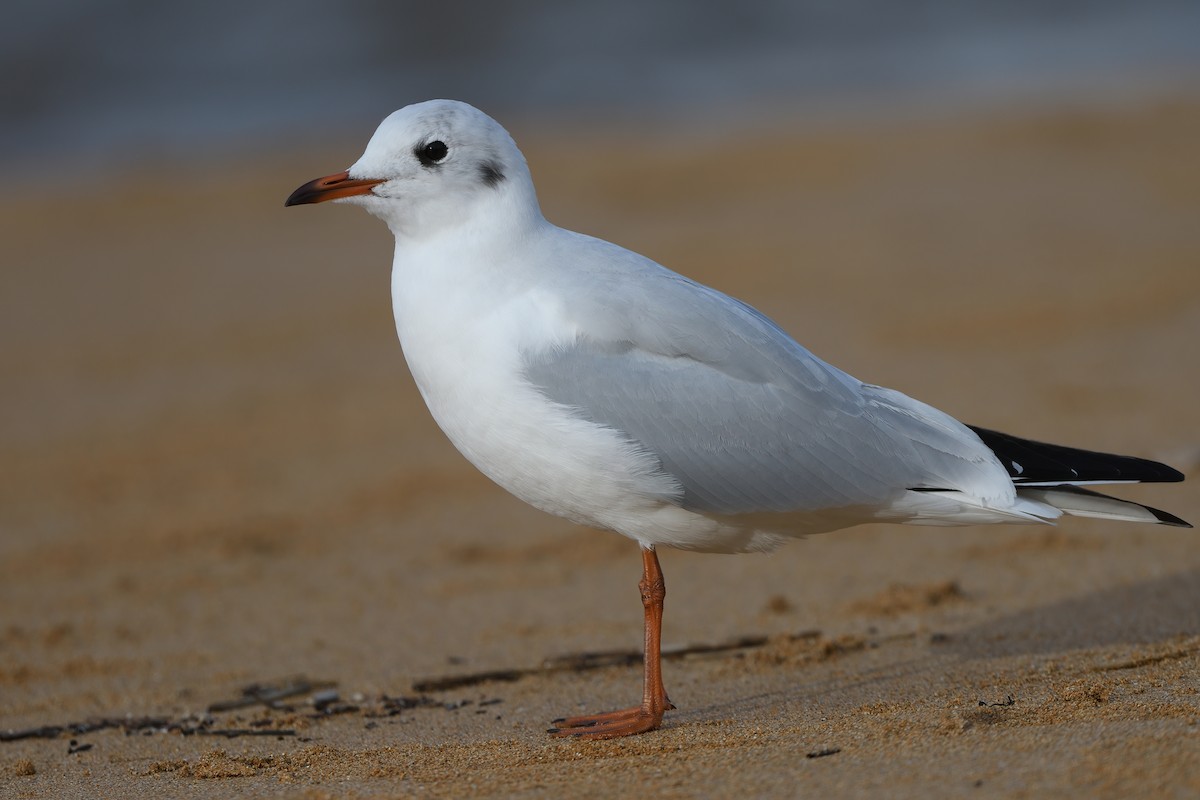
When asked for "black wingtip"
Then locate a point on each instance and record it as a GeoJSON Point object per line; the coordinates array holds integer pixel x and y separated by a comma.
{"type": "Point", "coordinates": [1167, 473]}
{"type": "Point", "coordinates": [1165, 518]}
{"type": "Point", "coordinates": [1029, 461]}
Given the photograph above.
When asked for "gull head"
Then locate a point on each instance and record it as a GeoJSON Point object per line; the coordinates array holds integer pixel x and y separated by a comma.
{"type": "Point", "coordinates": [431, 167]}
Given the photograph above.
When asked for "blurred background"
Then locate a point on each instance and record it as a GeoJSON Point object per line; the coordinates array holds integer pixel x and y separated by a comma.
{"type": "Point", "coordinates": [214, 466]}
{"type": "Point", "coordinates": [95, 84]}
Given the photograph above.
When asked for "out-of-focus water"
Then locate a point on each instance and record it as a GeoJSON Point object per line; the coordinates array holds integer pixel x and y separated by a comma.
{"type": "Point", "coordinates": [90, 82]}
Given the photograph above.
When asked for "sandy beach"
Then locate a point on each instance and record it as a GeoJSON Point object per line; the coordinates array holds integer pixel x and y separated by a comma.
{"type": "Point", "coordinates": [220, 484]}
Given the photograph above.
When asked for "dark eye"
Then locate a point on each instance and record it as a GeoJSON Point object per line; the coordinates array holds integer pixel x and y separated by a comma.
{"type": "Point", "coordinates": [432, 152]}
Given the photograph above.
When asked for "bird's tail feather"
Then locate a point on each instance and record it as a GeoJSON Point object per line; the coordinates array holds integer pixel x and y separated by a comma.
{"type": "Point", "coordinates": [1082, 502]}
{"type": "Point", "coordinates": [1054, 475]}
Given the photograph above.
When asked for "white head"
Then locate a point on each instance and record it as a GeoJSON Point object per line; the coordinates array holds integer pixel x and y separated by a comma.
{"type": "Point", "coordinates": [431, 167]}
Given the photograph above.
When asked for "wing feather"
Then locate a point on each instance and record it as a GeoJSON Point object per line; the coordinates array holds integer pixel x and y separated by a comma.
{"type": "Point", "coordinates": [746, 419]}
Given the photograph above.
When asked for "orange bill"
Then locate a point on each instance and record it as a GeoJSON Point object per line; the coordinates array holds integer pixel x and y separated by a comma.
{"type": "Point", "coordinates": [331, 187]}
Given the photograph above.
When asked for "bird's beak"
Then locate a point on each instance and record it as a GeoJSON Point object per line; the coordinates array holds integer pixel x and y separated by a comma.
{"type": "Point", "coordinates": [331, 187]}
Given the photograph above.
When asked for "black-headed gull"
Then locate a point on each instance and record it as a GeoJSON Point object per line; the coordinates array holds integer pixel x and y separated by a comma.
{"type": "Point", "coordinates": [597, 385]}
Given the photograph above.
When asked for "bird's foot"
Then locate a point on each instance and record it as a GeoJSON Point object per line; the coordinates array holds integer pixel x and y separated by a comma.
{"type": "Point", "coordinates": [612, 724]}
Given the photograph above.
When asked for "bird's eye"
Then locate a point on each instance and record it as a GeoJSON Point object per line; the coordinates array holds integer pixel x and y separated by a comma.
{"type": "Point", "coordinates": [432, 152]}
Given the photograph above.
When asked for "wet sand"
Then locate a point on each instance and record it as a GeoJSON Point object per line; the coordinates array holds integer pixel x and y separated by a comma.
{"type": "Point", "coordinates": [218, 473]}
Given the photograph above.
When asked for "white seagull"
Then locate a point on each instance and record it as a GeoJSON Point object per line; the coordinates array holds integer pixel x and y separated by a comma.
{"type": "Point", "coordinates": [594, 384]}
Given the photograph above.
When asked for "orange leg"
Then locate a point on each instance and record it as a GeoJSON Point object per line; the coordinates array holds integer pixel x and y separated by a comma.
{"type": "Point", "coordinates": [655, 703]}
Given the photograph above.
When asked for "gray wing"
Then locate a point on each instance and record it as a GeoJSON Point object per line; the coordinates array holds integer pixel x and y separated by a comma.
{"type": "Point", "coordinates": [741, 415]}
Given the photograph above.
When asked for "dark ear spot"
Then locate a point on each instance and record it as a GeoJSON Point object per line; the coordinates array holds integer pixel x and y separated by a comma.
{"type": "Point", "coordinates": [490, 174]}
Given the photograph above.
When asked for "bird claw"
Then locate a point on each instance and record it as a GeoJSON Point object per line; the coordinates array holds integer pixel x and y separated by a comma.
{"type": "Point", "coordinates": [611, 724]}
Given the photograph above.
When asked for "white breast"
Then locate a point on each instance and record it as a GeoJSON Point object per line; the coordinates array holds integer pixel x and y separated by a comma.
{"type": "Point", "coordinates": [464, 350]}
